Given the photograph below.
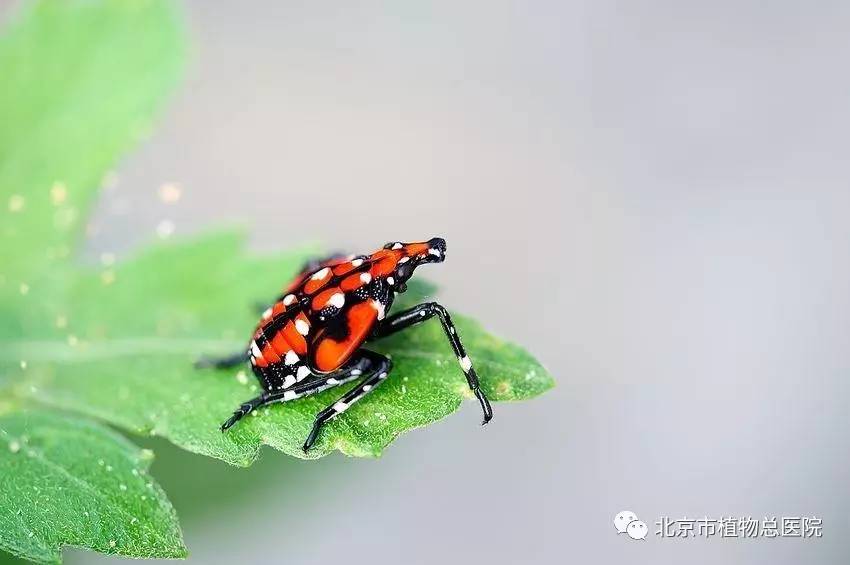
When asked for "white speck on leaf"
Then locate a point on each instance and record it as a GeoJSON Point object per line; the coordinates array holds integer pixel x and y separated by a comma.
{"type": "Point", "coordinates": [58, 193]}
{"type": "Point", "coordinates": [16, 203]}
{"type": "Point", "coordinates": [170, 192]}
{"type": "Point", "coordinates": [165, 229]}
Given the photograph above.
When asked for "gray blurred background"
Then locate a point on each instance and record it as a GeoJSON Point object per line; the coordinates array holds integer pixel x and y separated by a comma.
{"type": "Point", "coordinates": [653, 197]}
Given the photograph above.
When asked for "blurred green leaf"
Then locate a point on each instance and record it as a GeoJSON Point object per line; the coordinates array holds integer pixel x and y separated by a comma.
{"type": "Point", "coordinates": [65, 481]}
{"type": "Point", "coordinates": [81, 81]}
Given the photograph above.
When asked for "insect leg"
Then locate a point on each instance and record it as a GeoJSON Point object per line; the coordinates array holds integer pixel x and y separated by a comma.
{"type": "Point", "coordinates": [310, 385]}
{"type": "Point", "coordinates": [425, 311]}
{"type": "Point", "coordinates": [222, 362]}
{"type": "Point", "coordinates": [379, 366]}
{"type": "Point", "coordinates": [246, 408]}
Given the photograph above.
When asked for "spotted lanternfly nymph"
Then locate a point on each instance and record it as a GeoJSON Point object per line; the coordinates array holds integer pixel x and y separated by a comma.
{"type": "Point", "coordinates": [311, 338]}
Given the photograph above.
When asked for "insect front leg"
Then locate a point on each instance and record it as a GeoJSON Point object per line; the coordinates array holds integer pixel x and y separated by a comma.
{"type": "Point", "coordinates": [377, 368]}
{"type": "Point", "coordinates": [426, 311]}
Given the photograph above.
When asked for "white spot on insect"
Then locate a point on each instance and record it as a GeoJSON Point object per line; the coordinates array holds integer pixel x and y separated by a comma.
{"type": "Point", "coordinates": [397, 245]}
{"type": "Point", "coordinates": [356, 263]}
{"type": "Point", "coordinates": [321, 274]}
{"type": "Point", "coordinates": [465, 363]}
{"type": "Point", "coordinates": [356, 372]}
{"type": "Point", "coordinates": [403, 260]}
{"type": "Point", "coordinates": [365, 278]}
{"type": "Point", "coordinates": [422, 313]}
{"type": "Point", "coordinates": [382, 376]}
{"type": "Point", "coordinates": [289, 395]}
{"type": "Point", "coordinates": [332, 381]}
{"type": "Point", "coordinates": [267, 314]}
{"type": "Point", "coordinates": [434, 252]}
{"type": "Point", "coordinates": [379, 307]}
{"type": "Point", "coordinates": [291, 358]}
{"type": "Point", "coordinates": [255, 351]}
{"type": "Point", "coordinates": [302, 327]}
{"type": "Point", "coordinates": [391, 281]}
{"type": "Point", "coordinates": [452, 330]}
{"type": "Point", "coordinates": [367, 388]}
{"type": "Point", "coordinates": [303, 371]}
{"type": "Point", "coordinates": [340, 406]}
{"type": "Point", "coordinates": [288, 381]}
{"type": "Point", "coordinates": [338, 299]}
{"type": "Point", "coordinates": [288, 299]}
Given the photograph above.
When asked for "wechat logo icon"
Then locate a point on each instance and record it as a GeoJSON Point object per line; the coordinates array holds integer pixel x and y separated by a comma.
{"type": "Point", "coordinates": [626, 522]}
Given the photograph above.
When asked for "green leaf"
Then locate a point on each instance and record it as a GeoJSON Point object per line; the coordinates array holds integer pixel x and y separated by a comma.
{"type": "Point", "coordinates": [135, 340]}
{"type": "Point", "coordinates": [64, 481]}
{"type": "Point", "coordinates": [81, 81]}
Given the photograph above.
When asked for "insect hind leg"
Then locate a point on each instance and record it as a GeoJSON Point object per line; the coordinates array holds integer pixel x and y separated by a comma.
{"type": "Point", "coordinates": [222, 362]}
